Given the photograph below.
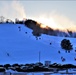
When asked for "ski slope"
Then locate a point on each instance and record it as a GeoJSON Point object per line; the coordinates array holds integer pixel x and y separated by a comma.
{"type": "Point", "coordinates": [21, 47]}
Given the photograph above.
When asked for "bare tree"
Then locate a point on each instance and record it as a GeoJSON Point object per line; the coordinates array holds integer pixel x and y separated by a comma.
{"type": "Point", "coordinates": [2, 19]}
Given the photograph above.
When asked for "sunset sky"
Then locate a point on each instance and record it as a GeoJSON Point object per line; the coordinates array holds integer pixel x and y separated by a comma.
{"type": "Point", "coordinates": [63, 11]}
{"type": "Point", "coordinates": [39, 7]}
{"type": "Point", "coordinates": [66, 8]}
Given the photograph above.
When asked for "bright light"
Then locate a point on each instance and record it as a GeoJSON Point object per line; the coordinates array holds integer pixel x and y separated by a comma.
{"type": "Point", "coordinates": [50, 22]}
{"type": "Point", "coordinates": [55, 22]}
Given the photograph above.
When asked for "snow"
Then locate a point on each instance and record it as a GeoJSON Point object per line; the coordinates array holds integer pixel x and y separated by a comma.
{"type": "Point", "coordinates": [21, 47]}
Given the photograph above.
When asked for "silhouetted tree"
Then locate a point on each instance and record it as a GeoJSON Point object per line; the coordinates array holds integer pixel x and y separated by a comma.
{"type": "Point", "coordinates": [7, 66]}
{"type": "Point", "coordinates": [16, 65]}
{"type": "Point", "coordinates": [70, 33]}
{"type": "Point", "coordinates": [65, 44]}
{"type": "Point", "coordinates": [17, 21]}
{"type": "Point", "coordinates": [2, 19]}
{"type": "Point", "coordinates": [2, 69]}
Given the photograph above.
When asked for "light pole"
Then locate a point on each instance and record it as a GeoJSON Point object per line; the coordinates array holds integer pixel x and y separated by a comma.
{"type": "Point", "coordinates": [39, 56]}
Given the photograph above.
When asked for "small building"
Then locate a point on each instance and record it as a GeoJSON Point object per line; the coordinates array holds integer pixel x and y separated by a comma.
{"type": "Point", "coordinates": [47, 63]}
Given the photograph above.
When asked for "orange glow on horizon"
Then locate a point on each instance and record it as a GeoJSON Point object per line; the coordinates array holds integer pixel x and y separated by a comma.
{"type": "Point", "coordinates": [56, 22]}
{"type": "Point", "coordinates": [49, 22]}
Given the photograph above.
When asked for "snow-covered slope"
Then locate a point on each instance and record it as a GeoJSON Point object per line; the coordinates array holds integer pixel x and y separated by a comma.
{"type": "Point", "coordinates": [21, 47]}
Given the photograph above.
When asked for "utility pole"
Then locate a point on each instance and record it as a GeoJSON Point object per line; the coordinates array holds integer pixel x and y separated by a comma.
{"type": "Point", "coordinates": [39, 56]}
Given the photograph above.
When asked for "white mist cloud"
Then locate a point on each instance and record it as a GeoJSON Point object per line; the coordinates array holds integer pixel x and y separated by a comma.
{"type": "Point", "coordinates": [56, 21]}
{"type": "Point", "coordinates": [19, 9]}
{"type": "Point", "coordinates": [12, 10]}
{"type": "Point", "coordinates": [64, 22]}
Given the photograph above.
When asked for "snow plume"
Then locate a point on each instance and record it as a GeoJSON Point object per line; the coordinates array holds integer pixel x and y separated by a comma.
{"type": "Point", "coordinates": [12, 10]}
{"type": "Point", "coordinates": [56, 21]}
{"type": "Point", "coordinates": [19, 9]}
